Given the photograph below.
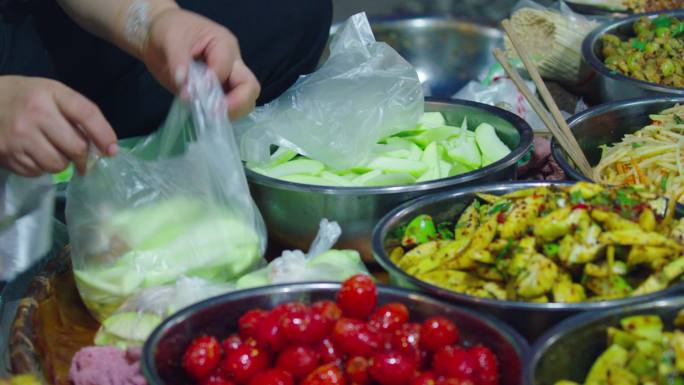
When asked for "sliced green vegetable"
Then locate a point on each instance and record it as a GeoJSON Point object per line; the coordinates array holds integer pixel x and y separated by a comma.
{"type": "Point", "coordinates": [432, 119]}
{"type": "Point", "coordinates": [491, 147]}
{"type": "Point", "coordinates": [420, 230]}
{"type": "Point", "coordinates": [297, 166]}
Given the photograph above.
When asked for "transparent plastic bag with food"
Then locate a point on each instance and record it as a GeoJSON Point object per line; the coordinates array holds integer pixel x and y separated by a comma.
{"type": "Point", "coordinates": [175, 205]}
{"type": "Point", "coordinates": [363, 92]}
{"type": "Point", "coordinates": [321, 263]}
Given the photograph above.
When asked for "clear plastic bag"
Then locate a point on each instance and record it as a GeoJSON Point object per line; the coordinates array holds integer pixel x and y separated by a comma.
{"type": "Point", "coordinates": [321, 263]}
{"type": "Point", "coordinates": [364, 91]}
{"type": "Point", "coordinates": [176, 205]}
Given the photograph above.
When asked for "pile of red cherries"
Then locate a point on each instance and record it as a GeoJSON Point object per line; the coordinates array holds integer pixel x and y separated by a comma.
{"type": "Point", "coordinates": [346, 342]}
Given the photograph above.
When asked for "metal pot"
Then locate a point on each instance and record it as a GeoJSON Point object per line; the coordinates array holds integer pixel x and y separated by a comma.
{"type": "Point", "coordinates": [292, 211]}
{"type": "Point", "coordinates": [530, 319]}
{"type": "Point", "coordinates": [163, 351]}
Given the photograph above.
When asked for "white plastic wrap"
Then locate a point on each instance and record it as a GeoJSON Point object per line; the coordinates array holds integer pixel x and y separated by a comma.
{"type": "Point", "coordinates": [26, 210]}
{"type": "Point", "coordinates": [321, 263]}
{"type": "Point", "coordinates": [176, 205]}
{"type": "Point", "coordinates": [364, 91]}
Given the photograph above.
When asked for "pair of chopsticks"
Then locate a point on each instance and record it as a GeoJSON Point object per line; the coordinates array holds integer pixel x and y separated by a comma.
{"type": "Point", "coordinates": [557, 126]}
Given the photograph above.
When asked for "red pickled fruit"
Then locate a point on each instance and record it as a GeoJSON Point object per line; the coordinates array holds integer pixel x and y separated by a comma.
{"type": "Point", "coordinates": [298, 360]}
{"type": "Point", "coordinates": [389, 317]}
{"type": "Point", "coordinates": [357, 370]}
{"type": "Point", "coordinates": [328, 352]}
{"type": "Point", "coordinates": [425, 378]}
{"type": "Point", "coordinates": [201, 357]}
{"type": "Point", "coordinates": [248, 324]}
{"type": "Point", "coordinates": [438, 332]}
{"type": "Point", "coordinates": [245, 362]}
{"type": "Point", "coordinates": [270, 334]}
{"type": "Point", "coordinates": [328, 374]}
{"type": "Point", "coordinates": [328, 309]}
{"type": "Point", "coordinates": [454, 381]}
{"type": "Point", "coordinates": [216, 379]}
{"type": "Point", "coordinates": [392, 368]}
{"type": "Point", "coordinates": [355, 338]}
{"type": "Point", "coordinates": [304, 326]}
{"type": "Point", "coordinates": [231, 343]}
{"type": "Point", "coordinates": [406, 338]}
{"type": "Point", "coordinates": [486, 370]}
{"type": "Point", "coordinates": [272, 377]}
{"type": "Point", "coordinates": [454, 362]}
{"type": "Point", "coordinates": [357, 296]}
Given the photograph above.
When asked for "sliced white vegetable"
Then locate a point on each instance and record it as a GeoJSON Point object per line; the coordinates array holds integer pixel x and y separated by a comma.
{"type": "Point", "coordinates": [435, 134]}
{"type": "Point", "coordinates": [297, 166]}
{"type": "Point", "coordinates": [362, 179]}
{"type": "Point", "coordinates": [282, 155]}
{"type": "Point", "coordinates": [309, 179]}
{"type": "Point", "coordinates": [465, 150]}
{"type": "Point", "coordinates": [394, 165]}
{"type": "Point", "coordinates": [432, 119]}
{"type": "Point", "coordinates": [390, 180]}
{"type": "Point", "coordinates": [490, 145]}
{"type": "Point", "coordinates": [431, 174]}
{"type": "Point", "coordinates": [431, 159]}
{"type": "Point", "coordinates": [458, 168]}
{"type": "Point", "coordinates": [415, 151]}
{"type": "Point", "coordinates": [336, 179]}
{"type": "Point", "coordinates": [444, 169]}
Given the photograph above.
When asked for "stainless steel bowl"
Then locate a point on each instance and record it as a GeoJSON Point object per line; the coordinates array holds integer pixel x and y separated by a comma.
{"type": "Point", "coordinates": [568, 350]}
{"type": "Point", "coordinates": [609, 86]}
{"type": "Point", "coordinates": [608, 124]}
{"type": "Point", "coordinates": [530, 319]}
{"type": "Point", "coordinates": [292, 211]}
{"type": "Point", "coordinates": [447, 53]}
{"type": "Point", "coordinates": [161, 362]}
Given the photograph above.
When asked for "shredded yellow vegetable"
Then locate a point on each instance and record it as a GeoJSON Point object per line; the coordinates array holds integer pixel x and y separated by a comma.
{"type": "Point", "coordinates": [651, 156]}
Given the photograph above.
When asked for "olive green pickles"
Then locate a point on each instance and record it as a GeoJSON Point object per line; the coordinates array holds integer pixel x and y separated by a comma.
{"type": "Point", "coordinates": [655, 55]}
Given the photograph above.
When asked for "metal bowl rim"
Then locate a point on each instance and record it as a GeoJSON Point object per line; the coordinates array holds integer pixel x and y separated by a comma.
{"type": "Point", "coordinates": [572, 323]}
{"type": "Point", "coordinates": [591, 58]}
{"type": "Point", "coordinates": [148, 366]}
{"type": "Point", "coordinates": [434, 20]}
{"type": "Point", "coordinates": [380, 255]}
{"type": "Point", "coordinates": [524, 145]}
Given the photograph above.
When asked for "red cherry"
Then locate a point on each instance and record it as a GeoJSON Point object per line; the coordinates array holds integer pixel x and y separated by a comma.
{"type": "Point", "coordinates": [216, 379]}
{"type": "Point", "coordinates": [298, 360]}
{"type": "Point", "coordinates": [201, 357]}
{"type": "Point", "coordinates": [270, 334]}
{"type": "Point", "coordinates": [389, 317]}
{"type": "Point", "coordinates": [328, 374]}
{"type": "Point", "coordinates": [355, 338]}
{"type": "Point", "coordinates": [248, 324]}
{"type": "Point", "coordinates": [425, 378]}
{"type": "Point", "coordinates": [272, 377]}
{"type": "Point", "coordinates": [454, 362]}
{"type": "Point", "coordinates": [486, 371]}
{"type": "Point", "coordinates": [328, 310]}
{"type": "Point", "coordinates": [406, 338]}
{"type": "Point", "coordinates": [392, 368]}
{"type": "Point", "coordinates": [357, 296]}
{"type": "Point", "coordinates": [244, 362]}
{"type": "Point", "coordinates": [328, 352]}
{"type": "Point", "coordinates": [304, 326]}
{"type": "Point", "coordinates": [357, 370]}
{"type": "Point", "coordinates": [454, 381]}
{"type": "Point", "coordinates": [437, 332]}
{"type": "Point", "coordinates": [231, 343]}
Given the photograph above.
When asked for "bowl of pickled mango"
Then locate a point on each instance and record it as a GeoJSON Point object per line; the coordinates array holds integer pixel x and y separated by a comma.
{"type": "Point", "coordinates": [635, 345]}
{"type": "Point", "coordinates": [534, 253]}
{"type": "Point", "coordinates": [637, 56]}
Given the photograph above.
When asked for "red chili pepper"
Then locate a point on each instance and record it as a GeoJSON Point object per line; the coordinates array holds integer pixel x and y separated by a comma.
{"type": "Point", "coordinates": [542, 207]}
{"type": "Point", "coordinates": [500, 218]}
{"type": "Point", "coordinates": [580, 206]}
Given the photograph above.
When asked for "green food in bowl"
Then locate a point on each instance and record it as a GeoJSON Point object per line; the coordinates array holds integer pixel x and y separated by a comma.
{"type": "Point", "coordinates": [655, 54]}
{"type": "Point", "coordinates": [432, 150]}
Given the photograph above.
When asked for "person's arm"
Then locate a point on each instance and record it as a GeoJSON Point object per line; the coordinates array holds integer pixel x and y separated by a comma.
{"type": "Point", "coordinates": [167, 38]}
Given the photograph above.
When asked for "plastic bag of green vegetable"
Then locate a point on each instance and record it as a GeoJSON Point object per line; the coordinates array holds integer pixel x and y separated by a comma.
{"type": "Point", "coordinates": [363, 92]}
{"type": "Point", "coordinates": [175, 205]}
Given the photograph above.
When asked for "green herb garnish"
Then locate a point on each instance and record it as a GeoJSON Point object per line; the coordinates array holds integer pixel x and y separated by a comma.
{"type": "Point", "coordinates": [576, 197]}
{"type": "Point", "coordinates": [636, 145]}
{"type": "Point", "coordinates": [678, 120]}
{"type": "Point", "coordinates": [663, 183]}
{"type": "Point", "coordinates": [638, 44]}
{"type": "Point", "coordinates": [444, 230]}
{"type": "Point", "coordinates": [500, 206]}
{"type": "Point", "coordinates": [551, 249]}
{"type": "Point", "coordinates": [662, 21]}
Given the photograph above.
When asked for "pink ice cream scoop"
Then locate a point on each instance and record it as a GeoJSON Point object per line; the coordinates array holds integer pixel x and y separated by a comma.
{"type": "Point", "coordinates": [106, 366]}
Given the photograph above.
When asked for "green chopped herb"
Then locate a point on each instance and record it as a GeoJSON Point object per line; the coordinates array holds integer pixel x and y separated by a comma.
{"type": "Point", "coordinates": [576, 197]}
{"type": "Point", "coordinates": [678, 119]}
{"type": "Point", "coordinates": [663, 183]}
{"type": "Point", "coordinates": [551, 249]}
{"type": "Point", "coordinates": [477, 204]}
{"type": "Point", "coordinates": [677, 29]}
{"type": "Point", "coordinates": [624, 199]}
{"type": "Point", "coordinates": [638, 44]}
{"type": "Point", "coordinates": [500, 207]}
{"type": "Point", "coordinates": [444, 230]}
{"type": "Point", "coordinates": [398, 232]}
{"type": "Point", "coordinates": [662, 21]}
{"type": "Point", "coordinates": [636, 145]}
{"type": "Point", "coordinates": [601, 199]}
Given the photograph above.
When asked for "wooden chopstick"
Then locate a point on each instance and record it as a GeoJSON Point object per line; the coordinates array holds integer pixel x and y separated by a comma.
{"type": "Point", "coordinates": [563, 134]}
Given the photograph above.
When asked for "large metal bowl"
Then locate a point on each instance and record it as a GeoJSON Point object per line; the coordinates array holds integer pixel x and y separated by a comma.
{"type": "Point", "coordinates": [447, 52]}
{"type": "Point", "coordinates": [608, 85]}
{"type": "Point", "coordinates": [161, 363]}
{"type": "Point", "coordinates": [568, 350]}
{"type": "Point", "coordinates": [530, 319]}
{"type": "Point", "coordinates": [292, 211]}
{"type": "Point", "coordinates": [608, 124]}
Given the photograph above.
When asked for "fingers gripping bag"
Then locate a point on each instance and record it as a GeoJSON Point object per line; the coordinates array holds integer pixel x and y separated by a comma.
{"type": "Point", "coordinates": [175, 205]}
{"type": "Point", "coordinates": [321, 263]}
{"type": "Point", "coordinates": [363, 92]}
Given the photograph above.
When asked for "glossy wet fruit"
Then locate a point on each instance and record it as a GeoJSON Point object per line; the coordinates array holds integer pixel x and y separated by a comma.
{"type": "Point", "coordinates": [392, 368]}
{"type": "Point", "coordinates": [357, 297]}
{"type": "Point", "coordinates": [272, 377]}
{"type": "Point", "coordinates": [298, 360]}
{"type": "Point", "coordinates": [389, 317]}
{"type": "Point", "coordinates": [328, 374]}
{"type": "Point", "coordinates": [248, 324]}
{"type": "Point", "coordinates": [202, 357]}
{"type": "Point", "coordinates": [245, 362]}
{"type": "Point", "coordinates": [454, 362]}
{"type": "Point", "coordinates": [437, 332]}
{"type": "Point", "coordinates": [356, 369]}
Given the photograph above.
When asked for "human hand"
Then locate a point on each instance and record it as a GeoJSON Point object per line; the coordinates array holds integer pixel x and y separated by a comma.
{"type": "Point", "coordinates": [175, 37]}
{"type": "Point", "coordinates": [44, 125]}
